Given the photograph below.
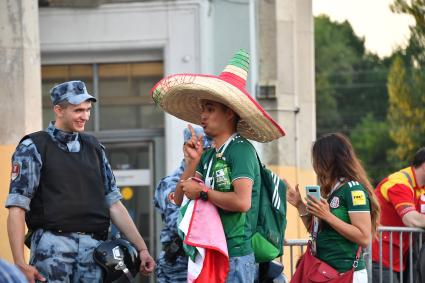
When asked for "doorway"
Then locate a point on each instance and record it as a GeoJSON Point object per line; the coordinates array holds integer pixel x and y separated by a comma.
{"type": "Point", "coordinates": [133, 165]}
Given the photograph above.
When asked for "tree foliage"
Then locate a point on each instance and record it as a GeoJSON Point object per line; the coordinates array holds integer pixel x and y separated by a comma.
{"type": "Point", "coordinates": [378, 103]}
{"type": "Point", "coordinates": [349, 81]}
{"type": "Point", "coordinates": [415, 8]}
{"type": "Point", "coordinates": [406, 87]}
{"type": "Point", "coordinates": [371, 140]}
{"type": "Point", "coordinates": [351, 91]}
{"type": "Point", "coordinates": [406, 110]}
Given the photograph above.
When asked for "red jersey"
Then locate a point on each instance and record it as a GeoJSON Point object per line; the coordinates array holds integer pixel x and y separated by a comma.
{"type": "Point", "coordinates": [398, 194]}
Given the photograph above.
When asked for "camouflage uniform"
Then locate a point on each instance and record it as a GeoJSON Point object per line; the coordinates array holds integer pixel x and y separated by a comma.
{"type": "Point", "coordinates": [175, 270]}
{"type": "Point", "coordinates": [10, 273]}
{"type": "Point", "coordinates": [60, 257]}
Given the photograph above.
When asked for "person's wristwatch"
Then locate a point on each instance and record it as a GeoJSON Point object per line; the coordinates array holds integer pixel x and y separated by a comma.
{"type": "Point", "coordinates": [204, 194]}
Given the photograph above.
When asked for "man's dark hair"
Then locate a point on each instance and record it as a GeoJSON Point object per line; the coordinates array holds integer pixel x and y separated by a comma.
{"type": "Point", "coordinates": [63, 104]}
{"type": "Point", "coordinates": [419, 157]}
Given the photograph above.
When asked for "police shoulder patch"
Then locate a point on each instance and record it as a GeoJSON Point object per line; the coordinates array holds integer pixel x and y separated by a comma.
{"type": "Point", "coordinates": [171, 197]}
{"type": "Point", "coordinates": [358, 197]}
{"type": "Point", "coordinates": [16, 170]}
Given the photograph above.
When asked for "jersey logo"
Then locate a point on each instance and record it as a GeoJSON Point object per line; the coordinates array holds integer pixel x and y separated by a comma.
{"type": "Point", "coordinates": [16, 170]}
{"type": "Point", "coordinates": [334, 202]}
{"type": "Point", "coordinates": [358, 198]}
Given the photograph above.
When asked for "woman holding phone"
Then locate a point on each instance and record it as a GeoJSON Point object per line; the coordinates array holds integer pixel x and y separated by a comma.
{"type": "Point", "coordinates": [348, 210]}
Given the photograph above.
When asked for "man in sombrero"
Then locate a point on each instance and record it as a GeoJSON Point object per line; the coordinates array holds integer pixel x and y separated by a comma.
{"type": "Point", "coordinates": [230, 171]}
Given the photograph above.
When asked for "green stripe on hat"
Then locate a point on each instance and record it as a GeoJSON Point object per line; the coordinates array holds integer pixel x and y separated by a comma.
{"type": "Point", "coordinates": [241, 60]}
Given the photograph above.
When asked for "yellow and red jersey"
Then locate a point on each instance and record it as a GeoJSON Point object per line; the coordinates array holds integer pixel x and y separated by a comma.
{"type": "Point", "coordinates": [398, 194]}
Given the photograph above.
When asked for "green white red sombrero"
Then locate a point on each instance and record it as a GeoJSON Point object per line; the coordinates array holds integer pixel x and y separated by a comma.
{"type": "Point", "coordinates": [180, 95]}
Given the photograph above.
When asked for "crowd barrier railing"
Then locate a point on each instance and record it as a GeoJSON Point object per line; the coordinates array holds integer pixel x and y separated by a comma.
{"type": "Point", "coordinates": [297, 247]}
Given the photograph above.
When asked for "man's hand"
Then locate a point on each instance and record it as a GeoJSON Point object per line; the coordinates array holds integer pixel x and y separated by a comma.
{"type": "Point", "coordinates": [31, 273]}
{"type": "Point", "coordinates": [193, 148]}
{"type": "Point", "coordinates": [147, 264]}
{"type": "Point", "coordinates": [191, 188]}
{"type": "Point", "coordinates": [293, 196]}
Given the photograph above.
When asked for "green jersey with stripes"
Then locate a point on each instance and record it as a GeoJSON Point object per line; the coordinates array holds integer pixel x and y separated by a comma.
{"type": "Point", "coordinates": [239, 160]}
{"type": "Point", "coordinates": [332, 247]}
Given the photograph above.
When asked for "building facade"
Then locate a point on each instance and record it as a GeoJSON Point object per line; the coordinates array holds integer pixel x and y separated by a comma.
{"type": "Point", "coordinates": [121, 48]}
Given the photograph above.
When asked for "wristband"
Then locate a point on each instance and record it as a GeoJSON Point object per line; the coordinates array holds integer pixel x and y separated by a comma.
{"type": "Point", "coordinates": [304, 214]}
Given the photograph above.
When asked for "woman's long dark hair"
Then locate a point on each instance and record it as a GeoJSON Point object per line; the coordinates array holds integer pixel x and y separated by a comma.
{"type": "Point", "coordinates": [334, 158]}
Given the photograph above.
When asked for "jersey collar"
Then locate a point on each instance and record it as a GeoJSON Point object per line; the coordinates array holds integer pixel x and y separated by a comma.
{"type": "Point", "coordinates": [62, 136]}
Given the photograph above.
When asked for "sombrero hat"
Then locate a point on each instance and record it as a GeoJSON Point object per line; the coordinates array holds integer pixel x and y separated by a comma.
{"type": "Point", "coordinates": [180, 95]}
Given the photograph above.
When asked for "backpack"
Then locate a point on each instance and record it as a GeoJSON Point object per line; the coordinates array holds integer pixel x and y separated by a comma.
{"type": "Point", "coordinates": [268, 237]}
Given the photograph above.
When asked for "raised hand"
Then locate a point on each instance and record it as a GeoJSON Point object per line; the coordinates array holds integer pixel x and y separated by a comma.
{"type": "Point", "coordinates": [193, 148]}
{"type": "Point", "coordinates": [293, 196]}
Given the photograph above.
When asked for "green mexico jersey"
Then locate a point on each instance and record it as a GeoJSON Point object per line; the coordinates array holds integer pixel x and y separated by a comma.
{"type": "Point", "coordinates": [333, 248]}
{"type": "Point", "coordinates": [239, 160]}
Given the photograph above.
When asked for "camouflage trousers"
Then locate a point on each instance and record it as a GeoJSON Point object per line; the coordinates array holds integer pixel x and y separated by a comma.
{"type": "Point", "coordinates": [65, 257]}
{"type": "Point", "coordinates": [170, 272]}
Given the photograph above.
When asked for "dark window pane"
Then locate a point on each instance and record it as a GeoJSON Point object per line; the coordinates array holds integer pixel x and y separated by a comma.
{"type": "Point", "coordinates": [125, 100]}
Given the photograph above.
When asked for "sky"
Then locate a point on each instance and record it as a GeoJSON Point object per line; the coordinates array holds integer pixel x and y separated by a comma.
{"type": "Point", "coordinates": [382, 29]}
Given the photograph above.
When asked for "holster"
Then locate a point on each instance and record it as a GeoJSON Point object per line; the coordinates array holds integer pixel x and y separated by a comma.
{"type": "Point", "coordinates": [28, 238]}
{"type": "Point", "coordinates": [173, 249]}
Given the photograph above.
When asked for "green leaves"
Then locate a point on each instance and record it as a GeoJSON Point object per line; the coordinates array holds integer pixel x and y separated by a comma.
{"type": "Point", "coordinates": [406, 113]}
{"type": "Point", "coordinates": [351, 94]}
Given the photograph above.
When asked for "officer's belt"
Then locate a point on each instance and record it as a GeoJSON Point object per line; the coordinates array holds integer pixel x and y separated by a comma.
{"type": "Point", "coordinates": [100, 236]}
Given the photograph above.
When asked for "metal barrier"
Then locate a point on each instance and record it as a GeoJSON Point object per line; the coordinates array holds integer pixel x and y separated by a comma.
{"type": "Point", "coordinates": [301, 243]}
{"type": "Point", "coordinates": [407, 231]}
{"type": "Point", "coordinates": [414, 247]}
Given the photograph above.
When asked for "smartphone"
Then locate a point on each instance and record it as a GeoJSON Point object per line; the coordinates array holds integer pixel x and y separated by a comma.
{"type": "Point", "coordinates": [313, 191]}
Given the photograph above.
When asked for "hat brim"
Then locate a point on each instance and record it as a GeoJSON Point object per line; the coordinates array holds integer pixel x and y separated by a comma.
{"type": "Point", "coordinates": [77, 99]}
{"type": "Point", "coordinates": [180, 95]}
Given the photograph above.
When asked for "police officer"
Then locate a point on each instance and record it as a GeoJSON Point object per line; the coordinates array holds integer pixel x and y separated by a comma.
{"type": "Point", "coordinates": [63, 187]}
{"type": "Point", "coordinates": [172, 262]}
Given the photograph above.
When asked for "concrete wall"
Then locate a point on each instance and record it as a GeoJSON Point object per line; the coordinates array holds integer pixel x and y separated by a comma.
{"type": "Point", "coordinates": [286, 60]}
{"type": "Point", "coordinates": [20, 92]}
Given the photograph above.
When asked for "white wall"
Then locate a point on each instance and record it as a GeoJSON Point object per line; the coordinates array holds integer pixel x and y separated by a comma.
{"type": "Point", "coordinates": [169, 30]}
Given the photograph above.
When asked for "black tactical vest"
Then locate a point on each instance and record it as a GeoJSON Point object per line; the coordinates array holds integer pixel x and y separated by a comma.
{"type": "Point", "coordinates": [71, 195]}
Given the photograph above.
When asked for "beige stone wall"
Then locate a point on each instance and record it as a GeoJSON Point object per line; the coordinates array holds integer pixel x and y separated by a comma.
{"type": "Point", "coordinates": [6, 152]}
{"type": "Point", "coordinates": [286, 52]}
{"type": "Point", "coordinates": [20, 92]}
